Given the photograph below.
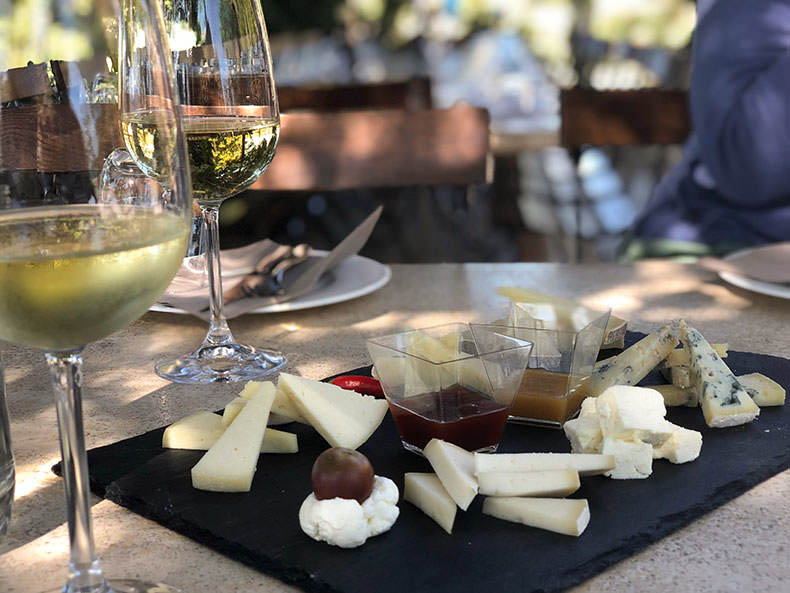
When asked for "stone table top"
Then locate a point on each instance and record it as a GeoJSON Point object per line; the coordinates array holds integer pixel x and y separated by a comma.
{"type": "Point", "coordinates": [742, 546]}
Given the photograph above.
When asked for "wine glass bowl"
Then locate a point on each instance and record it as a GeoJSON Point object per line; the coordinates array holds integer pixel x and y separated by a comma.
{"type": "Point", "coordinates": [84, 251]}
{"type": "Point", "coordinates": [231, 120]}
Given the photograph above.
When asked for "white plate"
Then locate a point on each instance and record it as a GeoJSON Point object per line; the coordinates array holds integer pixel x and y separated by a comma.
{"type": "Point", "coordinates": [354, 277]}
{"type": "Point", "coordinates": [770, 288]}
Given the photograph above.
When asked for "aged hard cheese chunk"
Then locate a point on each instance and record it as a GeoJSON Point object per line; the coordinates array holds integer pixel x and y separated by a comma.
{"type": "Point", "coordinates": [680, 356]}
{"type": "Point", "coordinates": [197, 431]}
{"type": "Point", "coordinates": [455, 468]}
{"type": "Point", "coordinates": [229, 465]}
{"type": "Point", "coordinates": [585, 464]}
{"type": "Point", "coordinates": [682, 445]}
{"type": "Point", "coordinates": [561, 515]}
{"type": "Point", "coordinates": [425, 491]}
{"type": "Point", "coordinates": [232, 409]}
{"type": "Point", "coordinates": [560, 482]}
{"type": "Point", "coordinates": [278, 441]}
{"type": "Point", "coordinates": [673, 395]}
{"type": "Point", "coordinates": [565, 309]}
{"type": "Point", "coordinates": [344, 418]}
{"type": "Point", "coordinates": [724, 401]}
{"type": "Point", "coordinates": [633, 364]}
{"type": "Point", "coordinates": [764, 391]}
{"type": "Point", "coordinates": [633, 459]}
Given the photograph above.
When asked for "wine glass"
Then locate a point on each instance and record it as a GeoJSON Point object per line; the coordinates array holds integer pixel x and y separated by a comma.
{"type": "Point", "coordinates": [76, 263]}
{"type": "Point", "coordinates": [231, 120]}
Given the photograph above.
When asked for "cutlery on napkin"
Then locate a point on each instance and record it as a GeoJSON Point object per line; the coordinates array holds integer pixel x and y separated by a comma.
{"type": "Point", "coordinates": [770, 263]}
{"type": "Point", "coordinates": [189, 289]}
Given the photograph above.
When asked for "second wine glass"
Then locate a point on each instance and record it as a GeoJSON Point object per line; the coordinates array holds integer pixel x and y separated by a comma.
{"type": "Point", "coordinates": [231, 120]}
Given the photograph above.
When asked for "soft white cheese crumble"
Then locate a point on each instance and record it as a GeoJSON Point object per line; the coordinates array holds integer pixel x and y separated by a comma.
{"type": "Point", "coordinates": [344, 522]}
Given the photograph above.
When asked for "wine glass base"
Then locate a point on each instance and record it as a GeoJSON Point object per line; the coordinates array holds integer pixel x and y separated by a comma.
{"type": "Point", "coordinates": [131, 586]}
{"type": "Point", "coordinates": [222, 364]}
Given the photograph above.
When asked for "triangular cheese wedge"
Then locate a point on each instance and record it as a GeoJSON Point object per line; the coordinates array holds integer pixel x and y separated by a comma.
{"type": "Point", "coordinates": [455, 467]}
{"type": "Point", "coordinates": [344, 418]}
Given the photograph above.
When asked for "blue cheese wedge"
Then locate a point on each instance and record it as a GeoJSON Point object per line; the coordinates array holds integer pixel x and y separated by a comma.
{"type": "Point", "coordinates": [230, 463]}
{"type": "Point", "coordinates": [724, 401]}
{"type": "Point", "coordinates": [633, 364]}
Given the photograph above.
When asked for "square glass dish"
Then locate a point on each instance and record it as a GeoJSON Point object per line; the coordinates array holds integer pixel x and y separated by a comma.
{"type": "Point", "coordinates": [565, 348]}
{"type": "Point", "coordinates": [455, 382]}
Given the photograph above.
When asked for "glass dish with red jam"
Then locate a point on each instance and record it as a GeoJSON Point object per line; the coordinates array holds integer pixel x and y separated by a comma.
{"type": "Point", "coordinates": [454, 382]}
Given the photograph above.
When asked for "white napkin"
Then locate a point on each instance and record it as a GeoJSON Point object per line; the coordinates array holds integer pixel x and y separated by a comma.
{"type": "Point", "coordinates": [189, 289]}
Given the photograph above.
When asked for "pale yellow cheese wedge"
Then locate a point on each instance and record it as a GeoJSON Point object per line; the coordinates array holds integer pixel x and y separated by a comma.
{"type": "Point", "coordinates": [232, 409]}
{"type": "Point", "coordinates": [673, 395]}
{"type": "Point", "coordinates": [197, 431]}
{"type": "Point", "coordinates": [561, 515]}
{"type": "Point", "coordinates": [455, 467]}
{"type": "Point", "coordinates": [425, 491]}
{"type": "Point", "coordinates": [763, 390]}
{"type": "Point", "coordinates": [230, 463]}
{"type": "Point", "coordinates": [559, 482]}
{"type": "Point", "coordinates": [587, 464]}
{"type": "Point", "coordinates": [282, 406]}
{"type": "Point", "coordinates": [344, 418]}
{"type": "Point", "coordinates": [680, 356]}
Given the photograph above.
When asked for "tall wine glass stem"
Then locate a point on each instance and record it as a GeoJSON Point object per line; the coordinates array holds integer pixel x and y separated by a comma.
{"type": "Point", "coordinates": [85, 574]}
{"type": "Point", "coordinates": [218, 332]}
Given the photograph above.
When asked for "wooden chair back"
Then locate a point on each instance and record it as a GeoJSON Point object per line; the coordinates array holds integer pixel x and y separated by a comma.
{"type": "Point", "coordinates": [623, 118]}
{"type": "Point", "coordinates": [28, 82]}
{"type": "Point", "coordinates": [411, 95]}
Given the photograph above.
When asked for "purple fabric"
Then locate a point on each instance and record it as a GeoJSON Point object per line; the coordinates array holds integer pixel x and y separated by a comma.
{"type": "Point", "coordinates": [740, 106]}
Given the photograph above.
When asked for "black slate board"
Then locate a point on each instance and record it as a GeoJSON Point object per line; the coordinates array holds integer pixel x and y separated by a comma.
{"type": "Point", "coordinates": [261, 528]}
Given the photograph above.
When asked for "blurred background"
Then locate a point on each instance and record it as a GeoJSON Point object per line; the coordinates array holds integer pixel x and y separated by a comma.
{"type": "Point", "coordinates": [542, 198]}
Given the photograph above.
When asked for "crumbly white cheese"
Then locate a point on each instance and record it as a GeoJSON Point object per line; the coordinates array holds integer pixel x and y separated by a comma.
{"type": "Point", "coordinates": [584, 433]}
{"type": "Point", "coordinates": [345, 523]}
{"type": "Point", "coordinates": [633, 460]}
{"type": "Point", "coordinates": [682, 446]}
{"type": "Point", "coordinates": [632, 413]}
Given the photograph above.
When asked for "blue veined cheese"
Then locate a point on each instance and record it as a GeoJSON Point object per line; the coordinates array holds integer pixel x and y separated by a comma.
{"type": "Point", "coordinates": [724, 401]}
{"type": "Point", "coordinates": [633, 364]}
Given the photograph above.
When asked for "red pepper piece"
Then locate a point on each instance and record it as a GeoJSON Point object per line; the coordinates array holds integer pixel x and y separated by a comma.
{"type": "Point", "coordinates": [360, 384]}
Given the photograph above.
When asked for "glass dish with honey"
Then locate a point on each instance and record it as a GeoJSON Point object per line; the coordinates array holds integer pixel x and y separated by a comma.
{"type": "Point", "coordinates": [455, 382]}
{"type": "Point", "coordinates": [565, 348]}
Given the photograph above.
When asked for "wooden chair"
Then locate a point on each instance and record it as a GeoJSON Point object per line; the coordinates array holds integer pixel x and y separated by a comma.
{"type": "Point", "coordinates": [413, 94]}
{"type": "Point", "coordinates": [619, 118]}
{"type": "Point", "coordinates": [29, 83]}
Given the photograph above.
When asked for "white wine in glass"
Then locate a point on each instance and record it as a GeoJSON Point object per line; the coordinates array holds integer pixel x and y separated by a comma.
{"type": "Point", "coordinates": [231, 120]}
{"type": "Point", "coordinates": [76, 263]}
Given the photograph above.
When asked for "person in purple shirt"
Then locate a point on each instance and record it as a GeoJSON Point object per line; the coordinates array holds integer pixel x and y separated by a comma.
{"type": "Point", "coordinates": [732, 187]}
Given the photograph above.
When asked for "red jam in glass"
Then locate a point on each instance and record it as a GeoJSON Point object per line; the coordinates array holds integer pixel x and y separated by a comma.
{"type": "Point", "coordinates": [458, 415]}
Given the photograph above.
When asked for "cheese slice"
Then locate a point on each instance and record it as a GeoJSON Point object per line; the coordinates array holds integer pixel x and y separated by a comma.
{"type": "Point", "coordinates": [425, 491]}
{"type": "Point", "coordinates": [633, 364]}
{"type": "Point", "coordinates": [682, 446]}
{"type": "Point", "coordinates": [585, 464]}
{"type": "Point", "coordinates": [344, 418]}
{"type": "Point", "coordinates": [197, 431]}
{"type": "Point", "coordinates": [763, 390]}
{"type": "Point", "coordinates": [724, 401]}
{"type": "Point", "coordinates": [561, 515]}
{"type": "Point", "coordinates": [680, 356]}
{"type": "Point", "coordinates": [232, 409]}
{"type": "Point", "coordinates": [633, 459]}
{"type": "Point", "coordinates": [279, 441]}
{"type": "Point", "coordinates": [673, 395]}
{"type": "Point", "coordinates": [455, 467]}
{"type": "Point", "coordinates": [282, 406]}
{"type": "Point", "coordinates": [566, 310]}
{"type": "Point", "coordinates": [230, 463]}
{"type": "Point", "coordinates": [559, 482]}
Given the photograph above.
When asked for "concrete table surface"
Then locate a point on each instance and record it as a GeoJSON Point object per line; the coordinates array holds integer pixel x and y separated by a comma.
{"type": "Point", "coordinates": [742, 546]}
